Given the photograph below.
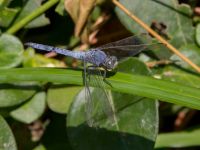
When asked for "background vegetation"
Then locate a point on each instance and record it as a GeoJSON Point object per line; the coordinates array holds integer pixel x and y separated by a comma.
{"type": "Point", "coordinates": [43, 108]}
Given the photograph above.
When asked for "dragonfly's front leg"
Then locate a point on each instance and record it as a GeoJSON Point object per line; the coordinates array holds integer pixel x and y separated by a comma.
{"type": "Point", "coordinates": [104, 78]}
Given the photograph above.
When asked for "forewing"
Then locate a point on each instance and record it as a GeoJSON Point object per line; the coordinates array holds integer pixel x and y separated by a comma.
{"type": "Point", "coordinates": [130, 46]}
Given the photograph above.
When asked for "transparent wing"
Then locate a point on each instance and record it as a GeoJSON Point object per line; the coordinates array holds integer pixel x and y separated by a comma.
{"type": "Point", "coordinates": [130, 46]}
{"type": "Point", "coordinates": [105, 97]}
{"type": "Point", "coordinates": [88, 97]}
{"type": "Point", "coordinates": [99, 104]}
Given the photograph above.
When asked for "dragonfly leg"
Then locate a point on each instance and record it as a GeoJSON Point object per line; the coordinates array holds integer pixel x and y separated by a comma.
{"type": "Point", "coordinates": [89, 68]}
{"type": "Point", "coordinates": [104, 78]}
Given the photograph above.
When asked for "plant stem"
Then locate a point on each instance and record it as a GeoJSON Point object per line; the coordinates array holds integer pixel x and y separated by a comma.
{"type": "Point", "coordinates": [16, 27]}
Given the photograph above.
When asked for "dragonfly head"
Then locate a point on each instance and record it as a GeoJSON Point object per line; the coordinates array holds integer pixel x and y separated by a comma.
{"type": "Point", "coordinates": [110, 62]}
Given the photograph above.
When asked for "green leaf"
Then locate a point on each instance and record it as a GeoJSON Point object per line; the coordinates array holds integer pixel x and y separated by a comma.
{"type": "Point", "coordinates": [11, 50]}
{"type": "Point", "coordinates": [4, 3]}
{"type": "Point", "coordinates": [16, 93]}
{"type": "Point", "coordinates": [180, 76]}
{"type": "Point", "coordinates": [7, 140]}
{"type": "Point", "coordinates": [192, 52]}
{"type": "Point", "coordinates": [31, 6]}
{"type": "Point", "coordinates": [31, 110]}
{"type": "Point", "coordinates": [59, 97]}
{"type": "Point", "coordinates": [181, 139]}
{"type": "Point", "coordinates": [178, 19]}
{"type": "Point", "coordinates": [198, 34]}
{"type": "Point", "coordinates": [30, 59]}
{"type": "Point", "coordinates": [7, 15]}
{"type": "Point", "coordinates": [122, 82]}
{"type": "Point", "coordinates": [60, 8]}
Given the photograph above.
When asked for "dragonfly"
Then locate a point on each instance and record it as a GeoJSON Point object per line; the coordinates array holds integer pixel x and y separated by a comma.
{"type": "Point", "coordinates": [107, 57]}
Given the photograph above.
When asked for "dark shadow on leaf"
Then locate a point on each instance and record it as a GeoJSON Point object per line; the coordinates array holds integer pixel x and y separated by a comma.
{"type": "Point", "coordinates": [129, 104]}
{"type": "Point", "coordinates": [103, 139]}
{"type": "Point", "coordinates": [7, 86]}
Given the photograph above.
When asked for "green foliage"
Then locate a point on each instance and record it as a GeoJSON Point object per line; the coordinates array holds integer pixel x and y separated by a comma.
{"type": "Point", "coordinates": [31, 110]}
{"type": "Point", "coordinates": [129, 110]}
{"type": "Point", "coordinates": [7, 140]}
{"type": "Point", "coordinates": [11, 50]}
{"type": "Point", "coordinates": [176, 18]}
{"type": "Point", "coordinates": [185, 138]}
{"type": "Point", "coordinates": [45, 107]}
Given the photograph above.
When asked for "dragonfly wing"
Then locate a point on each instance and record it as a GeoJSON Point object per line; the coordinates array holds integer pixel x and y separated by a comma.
{"type": "Point", "coordinates": [130, 46]}
{"type": "Point", "coordinates": [103, 105]}
{"type": "Point", "coordinates": [132, 40]}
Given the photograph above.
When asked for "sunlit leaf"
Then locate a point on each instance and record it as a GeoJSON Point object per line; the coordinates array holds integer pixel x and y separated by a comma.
{"type": "Point", "coordinates": [31, 110]}
{"type": "Point", "coordinates": [59, 97]}
{"type": "Point", "coordinates": [31, 59]}
{"type": "Point", "coordinates": [11, 50]}
{"type": "Point", "coordinates": [16, 93]}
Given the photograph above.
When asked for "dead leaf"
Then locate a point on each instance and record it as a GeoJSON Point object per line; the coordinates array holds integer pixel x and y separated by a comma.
{"type": "Point", "coordinates": [86, 6]}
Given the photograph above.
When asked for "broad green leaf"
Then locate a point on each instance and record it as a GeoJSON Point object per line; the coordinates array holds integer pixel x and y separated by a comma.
{"type": "Point", "coordinates": [176, 17]}
{"type": "Point", "coordinates": [7, 140]}
{"type": "Point", "coordinates": [16, 93]}
{"type": "Point", "coordinates": [190, 51]}
{"type": "Point", "coordinates": [31, 6]}
{"type": "Point", "coordinates": [133, 128]}
{"type": "Point", "coordinates": [31, 110]}
{"type": "Point", "coordinates": [187, 138]}
{"type": "Point", "coordinates": [4, 3]}
{"type": "Point", "coordinates": [60, 9]}
{"type": "Point", "coordinates": [31, 59]}
{"type": "Point", "coordinates": [121, 82]}
{"type": "Point", "coordinates": [11, 50]}
{"type": "Point", "coordinates": [59, 97]}
{"type": "Point", "coordinates": [7, 15]}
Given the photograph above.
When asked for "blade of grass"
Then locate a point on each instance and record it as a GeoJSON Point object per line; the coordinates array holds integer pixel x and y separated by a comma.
{"type": "Point", "coordinates": [127, 83]}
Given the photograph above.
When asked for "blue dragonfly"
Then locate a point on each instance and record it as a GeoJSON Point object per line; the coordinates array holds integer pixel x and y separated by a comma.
{"type": "Point", "coordinates": [105, 57]}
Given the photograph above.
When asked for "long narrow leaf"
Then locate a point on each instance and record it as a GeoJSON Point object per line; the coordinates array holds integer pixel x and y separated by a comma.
{"type": "Point", "coordinates": [121, 82]}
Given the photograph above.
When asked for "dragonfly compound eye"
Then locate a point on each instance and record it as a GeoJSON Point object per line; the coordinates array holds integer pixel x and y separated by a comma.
{"type": "Point", "coordinates": [111, 62]}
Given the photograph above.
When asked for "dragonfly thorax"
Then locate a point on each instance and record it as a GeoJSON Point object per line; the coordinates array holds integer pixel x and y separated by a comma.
{"type": "Point", "coordinates": [101, 59]}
